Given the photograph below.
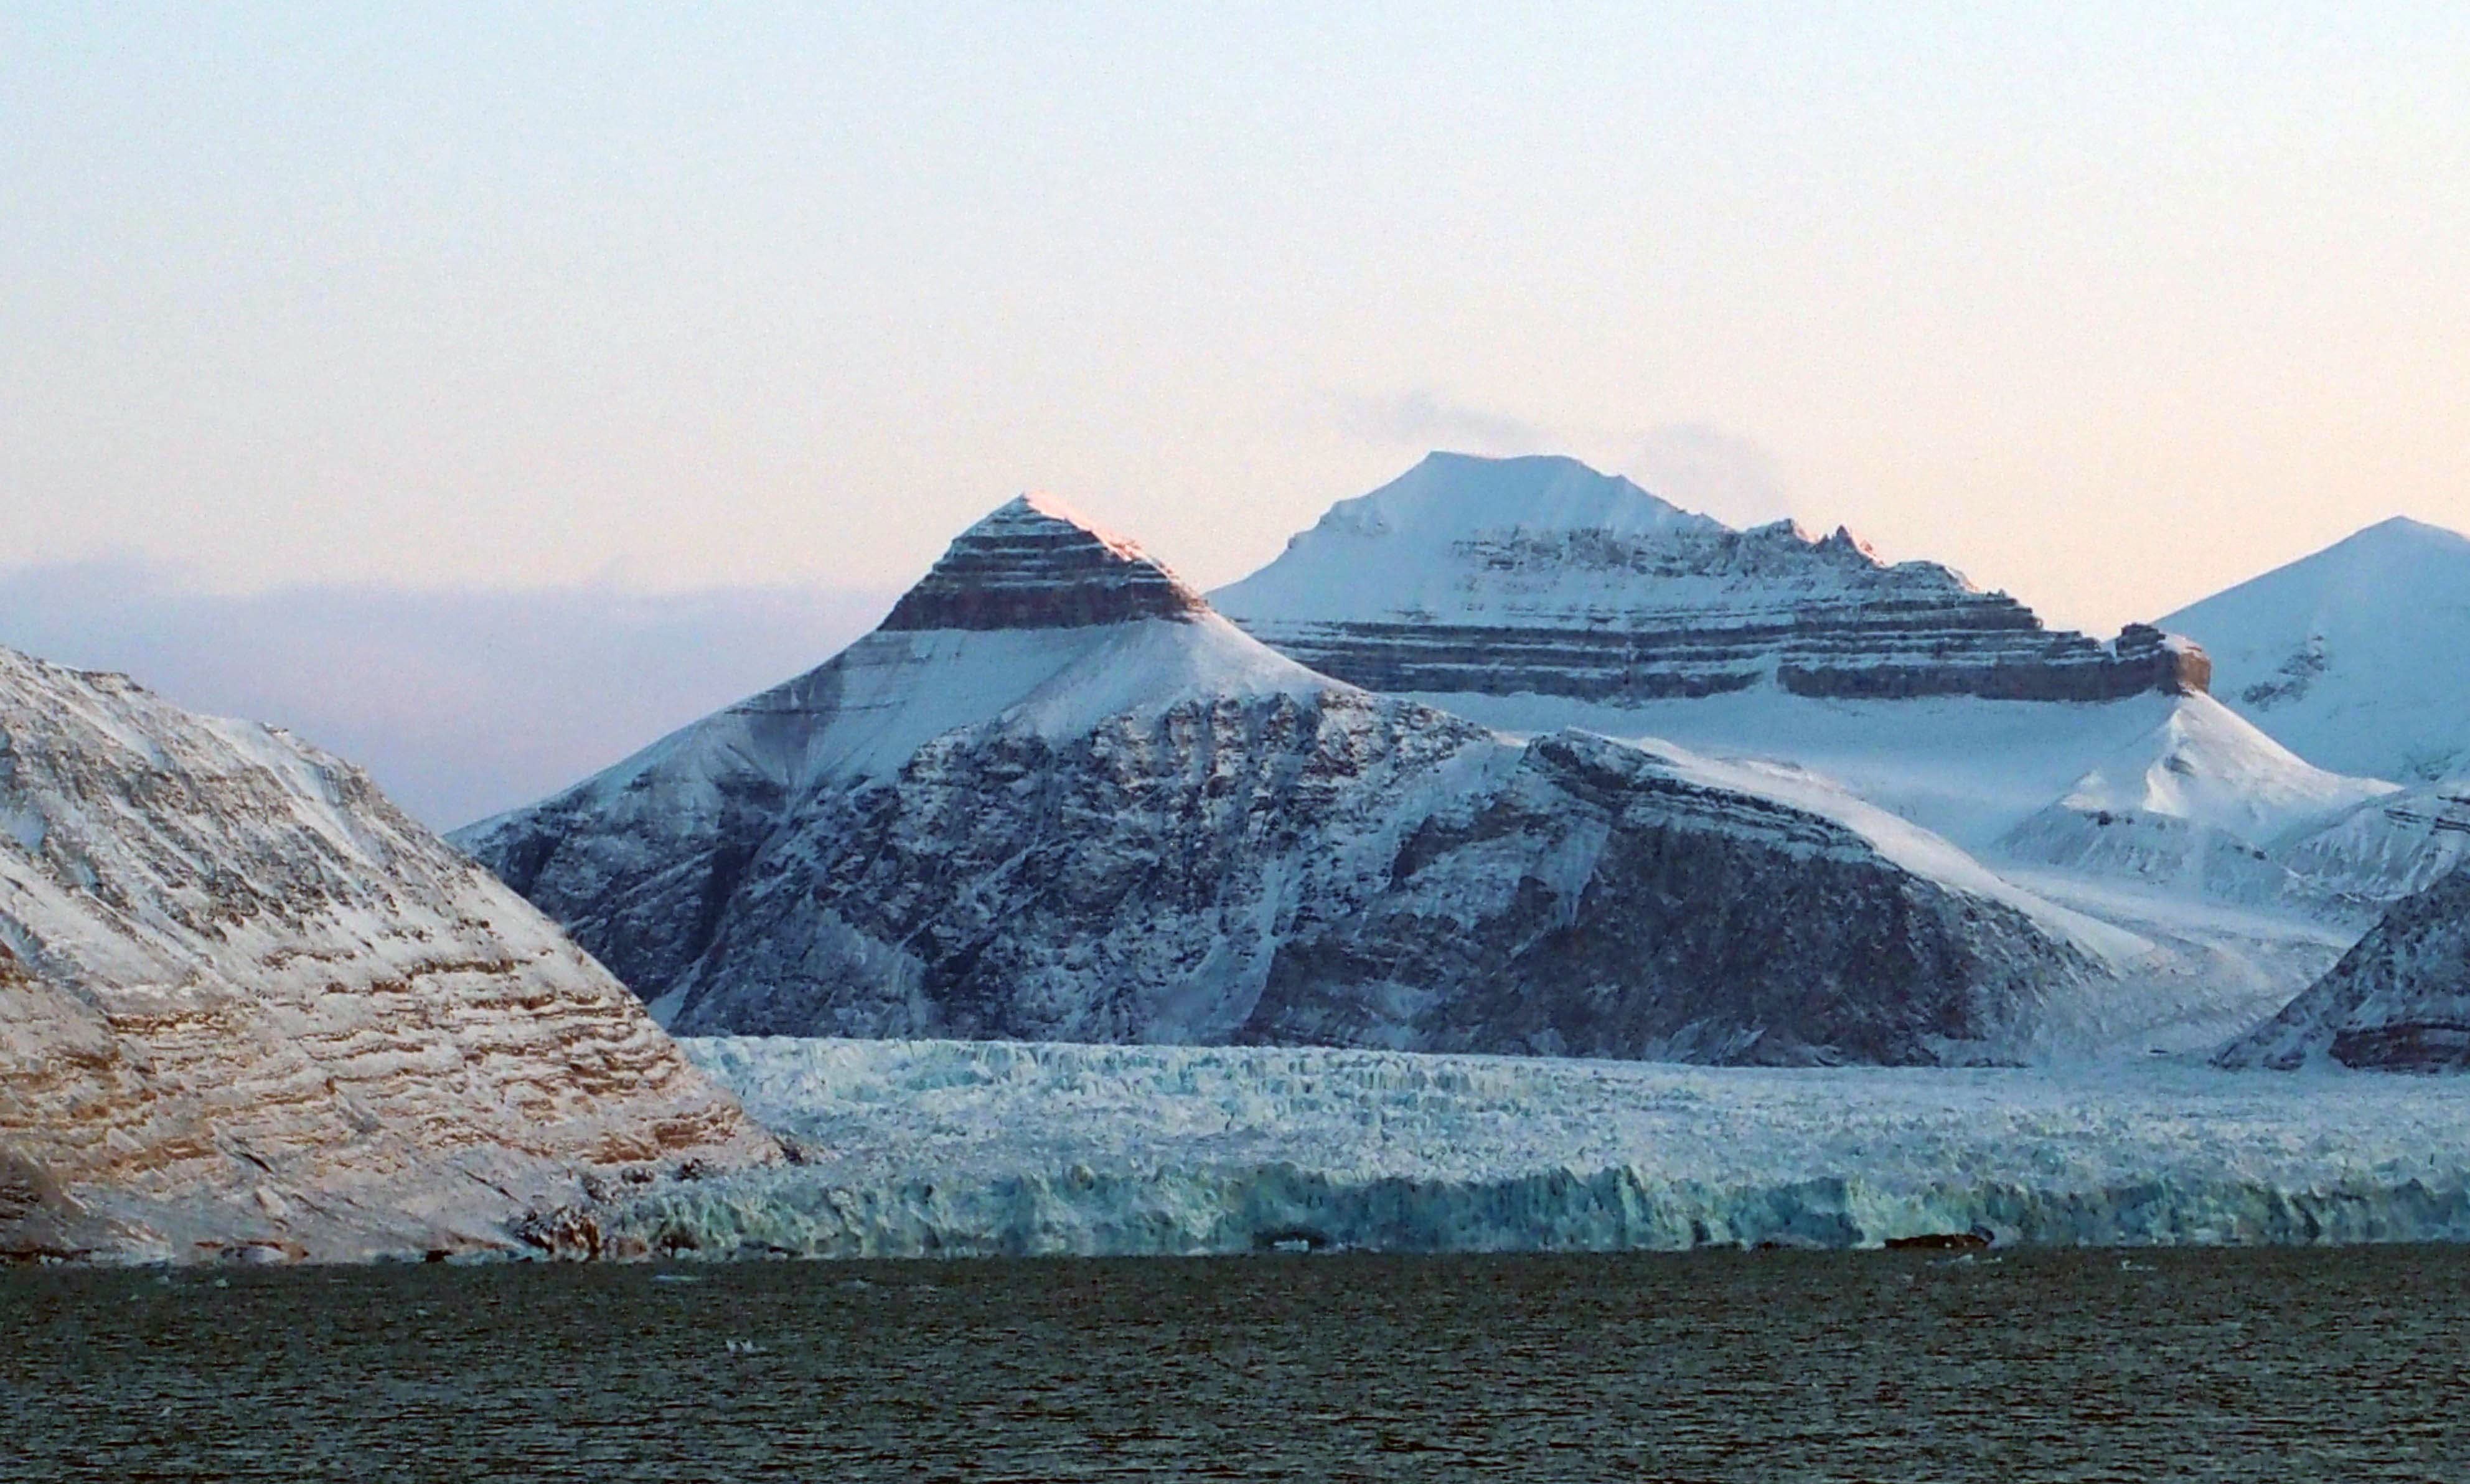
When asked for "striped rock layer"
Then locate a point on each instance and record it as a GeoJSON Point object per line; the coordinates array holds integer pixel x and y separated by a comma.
{"type": "Point", "coordinates": [1541, 576]}
{"type": "Point", "coordinates": [246, 1004]}
{"type": "Point", "coordinates": [1034, 564]}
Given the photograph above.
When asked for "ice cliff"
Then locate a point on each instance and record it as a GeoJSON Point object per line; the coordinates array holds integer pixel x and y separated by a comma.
{"type": "Point", "coordinates": [943, 1149]}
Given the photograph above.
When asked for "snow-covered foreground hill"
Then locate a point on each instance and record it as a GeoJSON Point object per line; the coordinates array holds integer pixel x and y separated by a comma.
{"type": "Point", "coordinates": [928, 1148]}
{"type": "Point", "coordinates": [249, 1008]}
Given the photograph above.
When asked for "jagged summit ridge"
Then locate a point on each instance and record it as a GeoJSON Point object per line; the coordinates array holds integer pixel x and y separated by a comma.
{"type": "Point", "coordinates": [1038, 564]}
{"type": "Point", "coordinates": [1541, 576]}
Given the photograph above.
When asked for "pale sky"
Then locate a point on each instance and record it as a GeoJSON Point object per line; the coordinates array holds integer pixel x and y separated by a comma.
{"type": "Point", "coordinates": [2107, 310]}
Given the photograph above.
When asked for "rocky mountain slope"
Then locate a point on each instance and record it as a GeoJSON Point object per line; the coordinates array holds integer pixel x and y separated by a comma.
{"type": "Point", "coordinates": [2358, 657]}
{"type": "Point", "coordinates": [1533, 594]}
{"type": "Point", "coordinates": [1542, 577]}
{"type": "Point", "coordinates": [246, 1005]}
{"type": "Point", "coordinates": [2398, 1001]}
{"type": "Point", "coordinates": [1057, 797]}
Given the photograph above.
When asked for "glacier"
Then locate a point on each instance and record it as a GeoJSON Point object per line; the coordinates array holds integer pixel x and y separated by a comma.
{"type": "Point", "coordinates": [956, 1148]}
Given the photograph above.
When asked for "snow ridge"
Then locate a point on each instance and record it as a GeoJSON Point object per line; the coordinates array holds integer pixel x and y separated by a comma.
{"type": "Point", "coordinates": [2206, 803]}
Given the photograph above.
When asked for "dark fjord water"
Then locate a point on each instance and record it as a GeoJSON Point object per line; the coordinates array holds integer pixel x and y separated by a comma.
{"type": "Point", "coordinates": [1770, 1366]}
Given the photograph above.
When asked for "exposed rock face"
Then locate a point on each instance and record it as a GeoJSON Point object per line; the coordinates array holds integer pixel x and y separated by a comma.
{"type": "Point", "coordinates": [2399, 1000]}
{"type": "Point", "coordinates": [1036, 565]}
{"type": "Point", "coordinates": [1159, 830]}
{"type": "Point", "coordinates": [1603, 900]}
{"type": "Point", "coordinates": [243, 1000]}
{"type": "Point", "coordinates": [1539, 575]}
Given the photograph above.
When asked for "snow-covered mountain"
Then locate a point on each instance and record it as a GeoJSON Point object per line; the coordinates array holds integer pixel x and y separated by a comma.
{"type": "Point", "coordinates": [1539, 575]}
{"type": "Point", "coordinates": [2399, 1000]}
{"type": "Point", "coordinates": [1057, 797]}
{"type": "Point", "coordinates": [1535, 593]}
{"type": "Point", "coordinates": [246, 1005]}
{"type": "Point", "coordinates": [2202, 802]}
{"type": "Point", "coordinates": [2357, 657]}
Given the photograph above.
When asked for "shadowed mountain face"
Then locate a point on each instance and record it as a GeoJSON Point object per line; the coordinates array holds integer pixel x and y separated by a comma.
{"type": "Point", "coordinates": [244, 1000]}
{"type": "Point", "coordinates": [1541, 576]}
{"type": "Point", "coordinates": [2399, 1000]}
{"type": "Point", "coordinates": [1085, 807]}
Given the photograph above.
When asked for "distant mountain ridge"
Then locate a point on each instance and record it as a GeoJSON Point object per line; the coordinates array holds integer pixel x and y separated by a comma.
{"type": "Point", "coordinates": [1540, 575]}
{"type": "Point", "coordinates": [1058, 797]}
{"type": "Point", "coordinates": [1536, 594]}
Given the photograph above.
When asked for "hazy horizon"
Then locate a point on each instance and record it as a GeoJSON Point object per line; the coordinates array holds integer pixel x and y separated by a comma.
{"type": "Point", "coordinates": [2103, 308]}
{"type": "Point", "coordinates": [461, 702]}
{"type": "Point", "coordinates": [316, 311]}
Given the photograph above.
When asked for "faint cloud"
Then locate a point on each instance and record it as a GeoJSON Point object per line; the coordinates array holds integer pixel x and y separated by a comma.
{"type": "Point", "coordinates": [1424, 420]}
{"type": "Point", "coordinates": [458, 702]}
{"type": "Point", "coordinates": [1702, 467]}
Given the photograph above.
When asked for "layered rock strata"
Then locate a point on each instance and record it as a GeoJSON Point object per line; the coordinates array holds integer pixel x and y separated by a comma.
{"type": "Point", "coordinates": [1159, 830]}
{"type": "Point", "coordinates": [1035, 565]}
{"type": "Point", "coordinates": [1539, 575]}
{"type": "Point", "coordinates": [248, 1005]}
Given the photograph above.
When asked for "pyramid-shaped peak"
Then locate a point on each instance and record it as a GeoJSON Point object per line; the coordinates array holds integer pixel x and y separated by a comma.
{"type": "Point", "coordinates": [1036, 563]}
{"type": "Point", "coordinates": [2401, 532]}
